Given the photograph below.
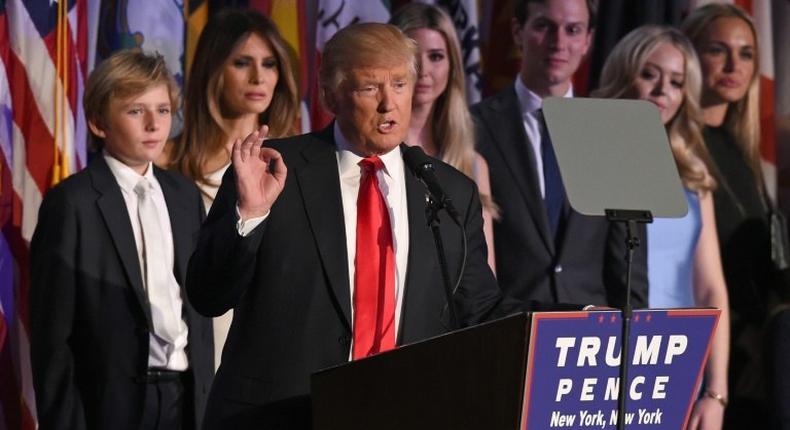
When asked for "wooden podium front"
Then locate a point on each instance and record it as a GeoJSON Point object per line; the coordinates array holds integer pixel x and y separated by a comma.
{"type": "Point", "coordinates": [469, 379]}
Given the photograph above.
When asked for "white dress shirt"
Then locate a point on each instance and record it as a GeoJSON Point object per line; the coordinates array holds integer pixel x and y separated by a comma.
{"type": "Point", "coordinates": [393, 187]}
{"type": "Point", "coordinates": [530, 103]}
{"type": "Point", "coordinates": [161, 354]}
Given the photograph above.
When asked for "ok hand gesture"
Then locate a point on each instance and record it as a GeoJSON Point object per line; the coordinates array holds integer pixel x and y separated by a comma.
{"type": "Point", "coordinates": [260, 174]}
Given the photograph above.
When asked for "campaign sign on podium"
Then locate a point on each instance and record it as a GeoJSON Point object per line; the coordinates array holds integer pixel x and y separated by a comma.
{"type": "Point", "coordinates": [573, 382]}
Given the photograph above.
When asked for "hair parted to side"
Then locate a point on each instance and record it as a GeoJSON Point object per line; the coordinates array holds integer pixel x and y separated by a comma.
{"type": "Point", "coordinates": [452, 129]}
{"type": "Point", "coordinates": [204, 134]}
{"type": "Point", "coordinates": [521, 12]}
{"type": "Point", "coordinates": [364, 45]}
{"type": "Point", "coordinates": [743, 117]}
{"type": "Point", "coordinates": [619, 74]}
{"type": "Point", "coordinates": [123, 75]}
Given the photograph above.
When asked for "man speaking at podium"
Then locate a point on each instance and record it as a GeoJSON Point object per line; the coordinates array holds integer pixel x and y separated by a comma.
{"type": "Point", "coordinates": [329, 258]}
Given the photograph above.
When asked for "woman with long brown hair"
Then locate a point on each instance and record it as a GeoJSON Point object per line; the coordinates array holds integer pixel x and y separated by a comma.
{"type": "Point", "coordinates": [241, 79]}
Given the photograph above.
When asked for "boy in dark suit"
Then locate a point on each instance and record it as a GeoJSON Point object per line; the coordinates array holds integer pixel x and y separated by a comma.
{"type": "Point", "coordinates": [115, 343]}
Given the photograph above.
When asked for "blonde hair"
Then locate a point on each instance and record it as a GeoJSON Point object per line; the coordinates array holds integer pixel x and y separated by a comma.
{"type": "Point", "coordinates": [452, 129]}
{"type": "Point", "coordinates": [743, 116]}
{"type": "Point", "coordinates": [122, 75]}
{"type": "Point", "coordinates": [204, 132]}
{"type": "Point", "coordinates": [363, 45]}
{"type": "Point", "coordinates": [621, 70]}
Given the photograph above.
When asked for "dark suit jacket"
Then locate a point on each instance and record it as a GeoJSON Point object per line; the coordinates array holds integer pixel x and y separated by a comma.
{"type": "Point", "coordinates": [89, 313]}
{"type": "Point", "coordinates": [288, 282]}
{"type": "Point", "coordinates": [587, 264]}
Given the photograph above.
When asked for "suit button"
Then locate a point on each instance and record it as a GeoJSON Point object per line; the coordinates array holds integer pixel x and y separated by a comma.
{"type": "Point", "coordinates": [558, 268]}
{"type": "Point", "coordinates": [344, 340]}
{"type": "Point", "coordinates": [142, 329]}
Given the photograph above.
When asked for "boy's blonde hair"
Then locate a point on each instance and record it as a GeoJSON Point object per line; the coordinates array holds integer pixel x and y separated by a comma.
{"type": "Point", "coordinates": [123, 75]}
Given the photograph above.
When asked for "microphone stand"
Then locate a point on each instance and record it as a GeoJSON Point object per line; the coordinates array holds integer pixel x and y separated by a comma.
{"type": "Point", "coordinates": [630, 218]}
{"type": "Point", "coordinates": [432, 208]}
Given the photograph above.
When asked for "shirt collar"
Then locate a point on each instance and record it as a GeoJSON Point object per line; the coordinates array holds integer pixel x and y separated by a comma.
{"type": "Point", "coordinates": [126, 177]}
{"type": "Point", "coordinates": [348, 160]}
{"type": "Point", "coordinates": [528, 100]}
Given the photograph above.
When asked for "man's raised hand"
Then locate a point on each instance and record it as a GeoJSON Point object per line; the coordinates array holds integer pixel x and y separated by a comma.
{"type": "Point", "coordinates": [260, 174]}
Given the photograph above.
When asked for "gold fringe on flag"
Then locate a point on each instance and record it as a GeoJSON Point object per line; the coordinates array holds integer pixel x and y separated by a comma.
{"type": "Point", "coordinates": [60, 165]}
{"type": "Point", "coordinates": [196, 13]}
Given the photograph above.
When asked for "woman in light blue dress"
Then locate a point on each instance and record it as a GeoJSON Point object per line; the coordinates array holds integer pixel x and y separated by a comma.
{"type": "Point", "coordinates": [658, 64]}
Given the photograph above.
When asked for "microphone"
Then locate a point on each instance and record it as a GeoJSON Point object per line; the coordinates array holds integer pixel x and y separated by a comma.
{"type": "Point", "coordinates": [422, 167]}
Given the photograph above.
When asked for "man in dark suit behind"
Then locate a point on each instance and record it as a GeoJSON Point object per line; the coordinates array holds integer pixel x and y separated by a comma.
{"type": "Point", "coordinates": [545, 250]}
{"type": "Point", "coordinates": [114, 342]}
{"type": "Point", "coordinates": [286, 248]}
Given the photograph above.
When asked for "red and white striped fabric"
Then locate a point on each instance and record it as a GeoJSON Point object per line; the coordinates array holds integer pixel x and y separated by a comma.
{"type": "Point", "coordinates": [43, 48]}
{"type": "Point", "coordinates": [761, 12]}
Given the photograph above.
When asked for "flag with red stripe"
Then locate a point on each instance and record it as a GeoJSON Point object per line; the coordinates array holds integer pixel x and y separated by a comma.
{"type": "Point", "coordinates": [44, 49]}
{"type": "Point", "coordinates": [761, 12]}
{"type": "Point", "coordinates": [781, 24]}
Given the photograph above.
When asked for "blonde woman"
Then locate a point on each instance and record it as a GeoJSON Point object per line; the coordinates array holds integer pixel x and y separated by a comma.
{"type": "Point", "coordinates": [659, 65]}
{"type": "Point", "coordinates": [241, 78]}
{"type": "Point", "coordinates": [726, 42]}
{"type": "Point", "coordinates": [440, 119]}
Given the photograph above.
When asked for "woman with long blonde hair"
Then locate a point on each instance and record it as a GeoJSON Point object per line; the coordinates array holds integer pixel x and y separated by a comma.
{"type": "Point", "coordinates": [440, 122]}
{"type": "Point", "coordinates": [725, 38]}
{"type": "Point", "coordinates": [658, 64]}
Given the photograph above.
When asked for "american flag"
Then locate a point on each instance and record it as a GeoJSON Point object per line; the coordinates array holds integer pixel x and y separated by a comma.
{"type": "Point", "coordinates": [762, 11]}
{"type": "Point", "coordinates": [43, 48]}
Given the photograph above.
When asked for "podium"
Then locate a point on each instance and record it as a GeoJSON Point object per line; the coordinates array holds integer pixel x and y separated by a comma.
{"type": "Point", "coordinates": [537, 371]}
{"type": "Point", "coordinates": [471, 378]}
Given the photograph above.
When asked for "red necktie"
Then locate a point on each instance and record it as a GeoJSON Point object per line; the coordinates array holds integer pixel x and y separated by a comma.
{"type": "Point", "coordinates": [374, 279]}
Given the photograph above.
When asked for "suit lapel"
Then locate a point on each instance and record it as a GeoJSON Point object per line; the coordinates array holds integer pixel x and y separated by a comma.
{"type": "Point", "coordinates": [511, 141]}
{"type": "Point", "coordinates": [113, 209]}
{"type": "Point", "coordinates": [319, 183]}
